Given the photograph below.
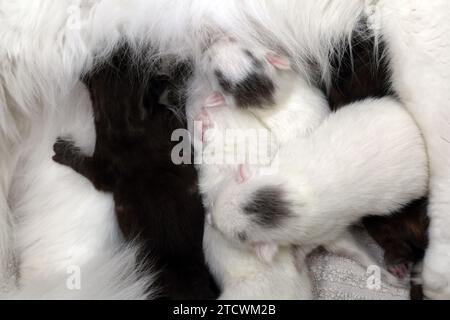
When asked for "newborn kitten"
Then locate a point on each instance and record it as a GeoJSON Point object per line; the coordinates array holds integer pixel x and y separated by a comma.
{"type": "Point", "coordinates": [156, 201]}
{"type": "Point", "coordinates": [403, 234]}
{"type": "Point", "coordinates": [367, 158]}
{"type": "Point", "coordinates": [278, 105]}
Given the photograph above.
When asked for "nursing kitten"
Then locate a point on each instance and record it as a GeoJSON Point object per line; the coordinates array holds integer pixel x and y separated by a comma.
{"type": "Point", "coordinates": [402, 235]}
{"type": "Point", "coordinates": [290, 110]}
{"type": "Point", "coordinates": [367, 158]}
{"type": "Point", "coordinates": [157, 202]}
{"type": "Point", "coordinates": [226, 109]}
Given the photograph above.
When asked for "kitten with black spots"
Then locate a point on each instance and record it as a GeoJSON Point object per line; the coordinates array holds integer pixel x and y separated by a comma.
{"type": "Point", "coordinates": [291, 110]}
{"type": "Point", "coordinates": [250, 91]}
{"type": "Point", "coordinates": [366, 159]}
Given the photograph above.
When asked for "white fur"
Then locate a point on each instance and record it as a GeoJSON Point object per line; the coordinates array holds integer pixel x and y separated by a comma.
{"type": "Point", "coordinates": [242, 275]}
{"type": "Point", "coordinates": [368, 158]}
{"type": "Point", "coordinates": [113, 274]}
{"type": "Point", "coordinates": [62, 222]}
{"type": "Point", "coordinates": [419, 48]}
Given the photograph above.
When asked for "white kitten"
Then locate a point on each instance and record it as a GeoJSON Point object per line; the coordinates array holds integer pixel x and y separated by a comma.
{"type": "Point", "coordinates": [367, 158]}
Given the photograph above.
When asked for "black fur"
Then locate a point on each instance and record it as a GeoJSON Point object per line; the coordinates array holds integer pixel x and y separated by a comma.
{"type": "Point", "coordinates": [256, 90]}
{"type": "Point", "coordinates": [359, 74]}
{"type": "Point", "coordinates": [157, 202]}
{"type": "Point", "coordinates": [268, 207]}
{"type": "Point", "coordinates": [403, 236]}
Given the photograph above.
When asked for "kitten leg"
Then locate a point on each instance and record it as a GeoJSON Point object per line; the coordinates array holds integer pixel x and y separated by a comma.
{"type": "Point", "coordinates": [400, 270]}
{"type": "Point", "coordinates": [300, 255]}
{"type": "Point", "coordinates": [66, 153]}
{"type": "Point", "coordinates": [347, 246]}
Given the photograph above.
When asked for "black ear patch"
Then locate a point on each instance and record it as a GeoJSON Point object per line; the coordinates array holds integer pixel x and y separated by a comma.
{"type": "Point", "coordinates": [268, 207]}
{"type": "Point", "coordinates": [255, 90]}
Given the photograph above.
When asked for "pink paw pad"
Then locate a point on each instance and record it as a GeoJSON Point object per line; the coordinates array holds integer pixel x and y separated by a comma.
{"type": "Point", "coordinates": [401, 270]}
{"type": "Point", "coordinates": [244, 173]}
{"type": "Point", "coordinates": [206, 122]}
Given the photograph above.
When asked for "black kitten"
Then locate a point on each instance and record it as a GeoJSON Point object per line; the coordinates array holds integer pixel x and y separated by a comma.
{"type": "Point", "coordinates": [156, 201]}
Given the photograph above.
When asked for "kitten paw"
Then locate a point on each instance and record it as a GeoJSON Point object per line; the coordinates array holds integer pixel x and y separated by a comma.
{"type": "Point", "coordinates": [245, 173]}
{"type": "Point", "coordinates": [65, 151]}
{"type": "Point", "coordinates": [400, 270]}
{"type": "Point", "coordinates": [206, 123]}
{"type": "Point", "coordinates": [300, 255]}
{"type": "Point", "coordinates": [436, 276]}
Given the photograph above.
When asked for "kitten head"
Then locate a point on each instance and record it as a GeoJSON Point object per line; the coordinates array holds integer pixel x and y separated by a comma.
{"type": "Point", "coordinates": [247, 78]}
{"type": "Point", "coordinates": [253, 212]}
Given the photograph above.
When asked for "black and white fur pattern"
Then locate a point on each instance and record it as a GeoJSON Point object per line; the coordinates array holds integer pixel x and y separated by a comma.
{"type": "Point", "coordinates": [292, 113]}
{"type": "Point", "coordinates": [240, 273]}
{"type": "Point", "coordinates": [368, 158]}
{"type": "Point", "coordinates": [43, 51]}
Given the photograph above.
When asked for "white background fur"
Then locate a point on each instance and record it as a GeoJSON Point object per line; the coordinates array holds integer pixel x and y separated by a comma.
{"type": "Point", "coordinates": [62, 222]}
{"type": "Point", "coordinates": [419, 46]}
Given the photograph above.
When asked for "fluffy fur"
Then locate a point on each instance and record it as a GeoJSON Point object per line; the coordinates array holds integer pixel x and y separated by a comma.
{"type": "Point", "coordinates": [62, 221]}
{"type": "Point", "coordinates": [113, 274]}
{"type": "Point", "coordinates": [43, 50]}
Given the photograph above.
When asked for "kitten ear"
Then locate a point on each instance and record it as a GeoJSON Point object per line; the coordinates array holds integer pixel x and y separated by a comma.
{"type": "Point", "coordinates": [215, 100]}
{"type": "Point", "coordinates": [244, 173]}
{"type": "Point", "coordinates": [267, 251]}
{"type": "Point", "coordinates": [279, 61]}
